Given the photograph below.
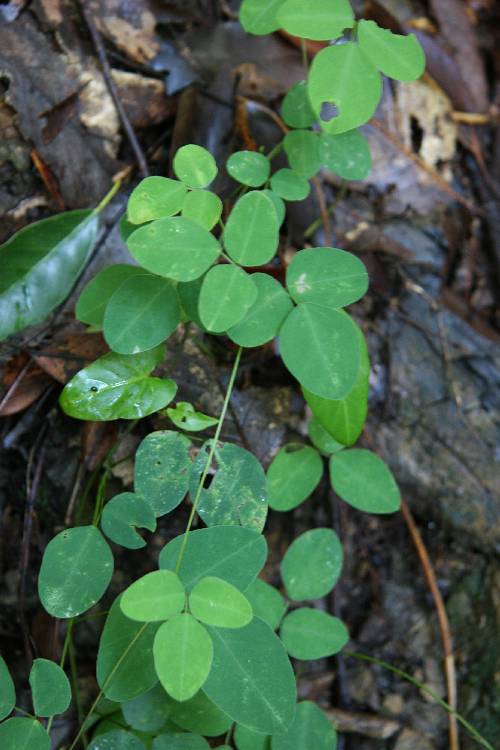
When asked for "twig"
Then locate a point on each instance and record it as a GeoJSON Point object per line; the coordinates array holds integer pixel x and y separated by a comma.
{"type": "Point", "coordinates": [14, 385]}
{"type": "Point", "coordinates": [323, 209]}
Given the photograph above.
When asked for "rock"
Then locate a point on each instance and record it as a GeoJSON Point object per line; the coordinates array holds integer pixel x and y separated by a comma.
{"type": "Point", "coordinates": [410, 740]}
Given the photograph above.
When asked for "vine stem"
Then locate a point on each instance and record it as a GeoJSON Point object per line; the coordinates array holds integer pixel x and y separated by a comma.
{"type": "Point", "coordinates": [208, 463]}
{"type": "Point", "coordinates": [109, 196]}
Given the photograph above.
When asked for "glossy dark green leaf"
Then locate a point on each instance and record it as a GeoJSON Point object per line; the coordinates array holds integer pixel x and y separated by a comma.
{"type": "Point", "coordinates": [176, 247]}
{"type": "Point", "coordinates": [117, 739]}
{"type": "Point", "coordinates": [354, 90]}
{"type": "Point", "coordinates": [153, 597]}
{"type": "Point", "coordinates": [245, 739]}
{"type": "Point", "coordinates": [312, 564]}
{"type": "Point", "coordinates": [149, 711]}
{"type": "Point", "coordinates": [226, 295]}
{"type": "Point", "coordinates": [267, 602]}
{"type": "Point", "coordinates": [162, 466]}
{"type": "Point", "coordinates": [141, 314]}
{"type": "Point", "coordinates": [263, 320]}
{"type": "Point", "coordinates": [40, 264]}
{"type": "Point", "coordinates": [23, 734]}
{"type": "Point", "coordinates": [7, 691]}
{"type": "Point", "coordinates": [125, 666]}
{"type": "Point", "coordinates": [237, 493]}
{"type": "Point", "coordinates": [118, 386]}
{"type": "Point", "coordinates": [302, 150]}
{"type": "Point", "coordinates": [234, 553]}
{"type": "Point", "coordinates": [278, 203]}
{"type": "Point", "coordinates": [216, 602]}
{"type": "Point", "coordinates": [364, 481]}
{"type": "Point", "coordinates": [177, 741]}
{"type": "Point", "coordinates": [96, 295]}
{"type": "Point", "coordinates": [296, 108]}
{"type": "Point", "coordinates": [154, 198]}
{"type": "Point", "coordinates": [202, 716]}
{"type": "Point", "coordinates": [346, 154]}
{"type": "Point", "coordinates": [321, 348]}
{"type": "Point", "coordinates": [249, 167]}
{"type": "Point", "coordinates": [189, 296]}
{"type": "Point", "coordinates": [293, 475]}
{"type": "Point", "coordinates": [321, 438]}
{"type": "Point", "coordinates": [185, 417]}
{"type": "Point", "coordinates": [310, 728]}
{"type": "Point", "coordinates": [255, 657]}
{"type": "Point", "coordinates": [195, 166]}
{"type": "Point", "coordinates": [259, 16]}
{"type": "Point", "coordinates": [326, 276]}
{"type": "Point", "coordinates": [397, 56]}
{"type": "Point", "coordinates": [183, 653]}
{"type": "Point", "coordinates": [316, 19]}
{"type": "Point", "coordinates": [50, 688]}
{"type": "Point", "coordinates": [122, 514]}
{"type": "Point", "coordinates": [290, 185]}
{"type": "Point", "coordinates": [251, 234]}
{"type": "Point", "coordinates": [312, 634]}
{"type": "Point", "coordinates": [203, 207]}
{"type": "Point", "coordinates": [77, 566]}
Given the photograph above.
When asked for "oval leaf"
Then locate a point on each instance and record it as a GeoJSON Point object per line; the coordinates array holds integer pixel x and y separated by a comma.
{"type": "Point", "coordinates": [177, 741]}
{"type": "Point", "coordinates": [216, 602]}
{"type": "Point", "coordinates": [185, 417]}
{"type": "Point", "coordinates": [195, 166]}
{"type": "Point", "coordinates": [316, 19]}
{"type": "Point", "coordinates": [289, 185]}
{"type": "Point", "coordinates": [202, 716]}
{"type": "Point", "coordinates": [346, 154]}
{"type": "Point", "coordinates": [296, 108]}
{"type": "Point", "coordinates": [227, 293]}
{"type": "Point", "coordinates": [154, 198]}
{"type": "Point", "coordinates": [117, 739]}
{"type": "Point", "coordinates": [312, 564]}
{"type": "Point", "coordinates": [397, 56]}
{"type": "Point", "coordinates": [50, 688]}
{"type": "Point", "coordinates": [122, 514]}
{"type": "Point", "coordinates": [156, 596]}
{"type": "Point", "coordinates": [249, 167]}
{"type": "Point", "coordinates": [259, 16]}
{"type": "Point", "coordinates": [311, 634]}
{"type": "Point", "coordinates": [322, 439]}
{"type": "Point", "coordinates": [293, 475]}
{"type": "Point", "coordinates": [92, 301]}
{"type": "Point", "coordinates": [265, 317]}
{"type": "Point", "coordinates": [149, 711]}
{"type": "Point", "coordinates": [162, 466]}
{"type": "Point", "coordinates": [364, 481]}
{"type": "Point", "coordinates": [326, 276]}
{"type": "Point", "coordinates": [302, 150]}
{"type": "Point", "coordinates": [278, 203]}
{"type": "Point", "coordinates": [267, 602]}
{"type": "Point", "coordinates": [23, 734]}
{"type": "Point", "coordinates": [252, 231]}
{"type": "Point", "coordinates": [310, 728]}
{"type": "Point", "coordinates": [7, 691]}
{"type": "Point", "coordinates": [202, 207]}
{"type": "Point", "coordinates": [245, 739]}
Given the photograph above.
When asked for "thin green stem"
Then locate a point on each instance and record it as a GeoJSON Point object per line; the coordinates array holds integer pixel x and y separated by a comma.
{"type": "Point", "coordinates": [108, 197]}
{"type": "Point", "coordinates": [208, 463]}
{"type": "Point", "coordinates": [275, 151]}
{"type": "Point", "coordinates": [305, 58]}
{"type": "Point", "coordinates": [23, 712]}
{"type": "Point", "coordinates": [66, 647]}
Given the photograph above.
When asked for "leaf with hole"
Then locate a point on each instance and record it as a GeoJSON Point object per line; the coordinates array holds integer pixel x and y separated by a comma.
{"type": "Point", "coordinates": [154, 198]}
{"type": "Point", "coordinates": [92, 301]}
{"type": "Point", "coordinates": [265, 317]}
{"type": "Point", "coordinates": [50, 688]}
{"type": "Point", "coordinates": [321, 348]}
{"type": "Point", "coordinates": [117, 739]}
{"type": "Point", "coordinates": [259, 16]}
{"type": "Point", "coordinates": [312, 564]}
{"type": "Point", "coordinates": [141, 314]}
{"type": "Point", "coordinates": [118, 386]}
{"type": "Point", "coordinates": [183, 656]}
{"type": "Point", "coordinates": [148, 712]}
{"type": "Point", "coordinates": [290, 185]}
{"type": "Point", "coordinates": [267, 602]}
{"type": "Point", "coordinates": [355, 89]}
{"type": "Point", "coordinates": [237, 493]}
{"type": "Point", "coordinates": [195, 166]}
{"type": "Point", "coordinates": [293, 475]}
{"type": "Point", "coordinates": [302, 150]}
{"type": "Point", "coordinates": [234, 553]}
{"type": "Point", "coordinates": [316, 19]}
{"type": "Point", "coordinates": [251, 233]}
{"type": "Point", "coordinates": [162, 466]}
{"type": "Point", "coordinates": [154, 597]}
{"type": "Point", "coordinates": [310, 728]}
{"type": "Point", "coordinates": [227, 293]}
{"type": "Point", "coordinates": [346, 154]}
{"type": "Point", "coordinates": [326, 276]}
{"type": "Point", "coordinates": [202, 716]}
{"type": "Point", "coordinates": [56, 248]}
{"type": "Point", "coordinates": [176, 247]}
{"type": "Point", "coordinates": [312, 634]}
{"type": "Point", "coordinates": [296, 108]}
{"type": "Point", "coordinates": [322, 439]}
{"type": "Point", "coordinates": [203, 207]}
{"type": "Point", "coordinates": [249, 167]}
{"type": "Point", "coordinates": [23, 734]}
{"type": "Point", "coordinates": [217, 602]}
{"type": "Point", "coordinates": [395, 55]}
{"type": "Point", "coordinates": [122, 514]}
{"type": "Point", "coordinates": [364, 481]}
{"type": "Point", "coordinates": [185, 417]}
{"type": "Point", "coordinates": [7, 691]}
{"type": "Point", "coordinates": [77, 566]}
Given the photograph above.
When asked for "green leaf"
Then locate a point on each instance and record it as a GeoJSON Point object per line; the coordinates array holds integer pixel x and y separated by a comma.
{"type": "Point", "coordinates": [355, 89]}
{"type": "Point", "coordinates": [185, 417]}
{"type": "Point", "coordinates": [267, 602]}
{"type": "Point", "coordinates": [117, 739]}
{"type": "Point", "coordinates": [50, 688]}
{"type": "Point", "coordinates": [162, 466]}
{"type": "Point", "coordinates": [155, 198]}
{"type": "Point", "coordinates": [344, 418]}
{"type": "Point", "coordinates": [237, 493]}
{"type": "Point", "coordinates": [302, 150]}
{"type": "Point", "coordinates": [293, 475]}
{"type": "Point", "coordinates": [189, 295]}
{"type": "Point", "coordinates": [310, 728]}
{"type": "Point", "coordinates": [265, 317]}
{"type": "Point", "coordinates": [346, 154]}
{"type": "Point", "coordinates": [289, 185]}
{"type": "Point", "coordinates": [202, 716]}
{"type": "Point", "coordinates": [203, 207]}
{"type": "Point", "coordinates": [278, 203]}
{"type": "Point", "coordinates": [233, 553]}
{"type": "Point", "coordinates": [322, 439]}
{"type": "Point", "coordinates": [249, 168]}
{"type": "Point", "coordinates": [311, 634]}
{"type": "Point", "coordinates": [141, 314]}
{"type": "Point", "coordinates": [251, 234]}
{"type": "Point", "coordinates": [254, 657]}
{"type": "Point", "coordinates": [227, 293]}
{"type": "Point", "coordinates": [122, 514]}
{"type": "Point", "coordinates": [149, 711]}
{"type": "Point", "coordinates": [245, 739]}
{"type": "Point", "coordinates": [312, 564]}
{"type": "Point", "coordinates": [397, 56]}
{"type": "Point", "coordinates": [40, 264]}
{"type": "Point", "coordinates": [92, 301]}
{"type": "Point", "coordinates": [364, 481]}
{"type": "Point", "coordinates": [76, 569]}
{"type": "Point", "coordinates": [176, 741]}
{"type": "Point", "coordinates": [23, 734]}
{"type": "Point", "coordinates": [183, 656]}
{"type": "Point", "coordinates": [7, 691]}
{"type": "Point", "coordinates": [316, 19]}
{"type": "Point", "coordinates": [195, 166]}
{"type": "Point", "coordinates": [125, 666]}
{"type": "Point", "coordinates": [259, 16]}
{"type": "Point", "coordinates": [175, 247]}
{"type": "Point", "coordinates": [218, 603]}
{"type": "Point", "coordinates": [296, 108]}
{"type": "Point", "coordinates": [321, 348]}
{"type": "Point", "coordinates": [326, 276]}
{"type": "Point", "coordinates": [154, 597]}
{"type": "Point", "coordinates": [125, 228]}
{"type": "Point", "coordinates": [118, 386]}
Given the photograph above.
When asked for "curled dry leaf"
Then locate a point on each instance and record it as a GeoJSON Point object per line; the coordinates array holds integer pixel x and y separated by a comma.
{"type": "Point", "coordinates": [129, 26]}
{"type": "Point", "coordinates": [21, 384]}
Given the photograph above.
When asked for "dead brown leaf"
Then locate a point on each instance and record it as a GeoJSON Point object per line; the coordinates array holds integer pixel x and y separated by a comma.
{"type": "Point", "coordinates": [129, 26]}
{"type": "Point", "coordinates": [69, 353]}
{"type": "Point", "coordinates": [22, 383]}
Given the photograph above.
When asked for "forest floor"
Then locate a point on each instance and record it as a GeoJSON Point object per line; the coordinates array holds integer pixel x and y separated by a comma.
{"type": "Point", "coordinates": [425, 222]}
